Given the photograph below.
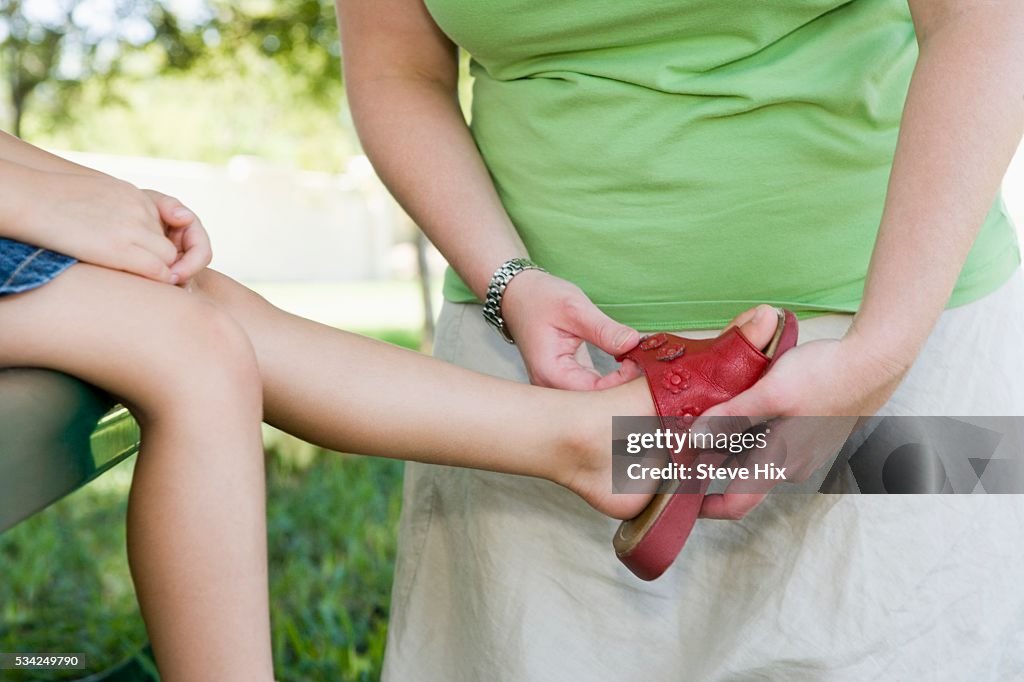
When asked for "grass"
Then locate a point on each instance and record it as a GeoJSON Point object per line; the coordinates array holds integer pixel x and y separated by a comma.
{"type": "Point", "coordinates": [332, 549]}
{"type": "Point", "coordinates": [331, 522]}
{"type": "Point", "coordinates": [66, 586]}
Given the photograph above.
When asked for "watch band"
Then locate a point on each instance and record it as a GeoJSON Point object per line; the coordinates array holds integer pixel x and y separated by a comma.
{"type": "Point", "coordinates": [496, 290]}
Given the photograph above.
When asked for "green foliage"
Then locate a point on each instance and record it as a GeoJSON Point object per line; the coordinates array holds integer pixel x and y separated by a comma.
{"type": "Point", "coordinates": [301, 35]}
{"type": "Point", "coordinates": [257, 78]}
{"type": "Point", "coordinates": [332, 522]}
{"type": "Point", "coordinates": [212, 113]}
{"type": "Point", "coordinates": [57, 46]}
{"type": "Point", "coordinates": [66, 585]}
{"type": "Point", "coordinates": [332, 556]}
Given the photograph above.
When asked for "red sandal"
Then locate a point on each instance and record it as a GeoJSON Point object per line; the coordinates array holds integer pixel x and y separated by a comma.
{"type": "Point", "coordinates": [687, 377]}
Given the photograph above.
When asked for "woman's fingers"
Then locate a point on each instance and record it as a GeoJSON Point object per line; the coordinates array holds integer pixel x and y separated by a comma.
{"type": "Point", "coordinates": [626, 372]}
{"type": "Point", "coordinates": [589, 323]}
{"type": "Point", "coordinates": [755, 403]}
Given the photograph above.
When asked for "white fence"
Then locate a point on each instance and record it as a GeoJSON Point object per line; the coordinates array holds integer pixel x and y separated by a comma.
{"type": "Point", "coordinates": [271, 223]}
{"type": "Point", "coordinates": [275, 224]}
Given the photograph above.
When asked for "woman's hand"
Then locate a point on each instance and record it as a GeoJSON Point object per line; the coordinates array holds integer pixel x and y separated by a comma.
{"type": "Point", "coordinates": [829, 377]}
{"type": "Point", "coordinates": [826, 378]}
{"type": "Point", "coordinates": [550, 319]}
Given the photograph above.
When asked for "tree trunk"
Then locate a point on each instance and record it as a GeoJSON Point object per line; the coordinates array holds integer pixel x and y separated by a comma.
{"type": "Point", "coordinates": [19, 96]}
{"type": "Point", "coordinates": [423, 271]}
{"type": "Point", "coordinates": [18, 105]}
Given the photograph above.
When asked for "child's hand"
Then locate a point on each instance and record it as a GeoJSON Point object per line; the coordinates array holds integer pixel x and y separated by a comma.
{"type": "Point", "coordinates": [103, 221]}
{"type": "Point", "coordinates": [187, 234]}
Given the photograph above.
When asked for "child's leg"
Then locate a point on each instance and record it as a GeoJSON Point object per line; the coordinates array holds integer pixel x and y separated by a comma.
{"type": "Point", "coordinates": [353, 394]}
{"type": "Point", "coordinates": [196, 529]}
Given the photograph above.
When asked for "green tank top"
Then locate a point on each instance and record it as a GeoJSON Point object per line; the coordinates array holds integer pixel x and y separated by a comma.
{"type": "Point", "coordinates": [681, 161]}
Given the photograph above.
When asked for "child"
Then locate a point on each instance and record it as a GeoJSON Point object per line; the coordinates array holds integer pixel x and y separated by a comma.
{"type": "Point", "coordinates": [202, 364]}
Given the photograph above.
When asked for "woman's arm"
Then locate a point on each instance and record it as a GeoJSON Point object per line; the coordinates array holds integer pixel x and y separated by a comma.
{"type": "Point", "coordinates": [962, 122]}
{"type": "Point", "coordinates": [401, 73]}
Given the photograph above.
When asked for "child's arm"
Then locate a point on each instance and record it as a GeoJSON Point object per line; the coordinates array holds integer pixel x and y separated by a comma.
{"type": "Point", "coordinates": [100, 220]}
{"type": "Point", "coordinates": [91, 217]}
{"type": "Point", "coordinates": [32, 176]}
{"type": "Point", "coordinates": [25, 154]}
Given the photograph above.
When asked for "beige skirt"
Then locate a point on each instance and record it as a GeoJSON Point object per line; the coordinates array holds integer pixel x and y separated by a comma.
{"type": "Point", "coordinates": [508, 578]}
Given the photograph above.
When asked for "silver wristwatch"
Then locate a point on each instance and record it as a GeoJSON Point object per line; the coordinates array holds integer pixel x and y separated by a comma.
{"type": "Point", "coordinates": [496, 290]}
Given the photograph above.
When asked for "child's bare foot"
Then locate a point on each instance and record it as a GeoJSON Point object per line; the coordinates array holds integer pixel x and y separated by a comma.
{"type": "Point", "coordinates": [592, 477]}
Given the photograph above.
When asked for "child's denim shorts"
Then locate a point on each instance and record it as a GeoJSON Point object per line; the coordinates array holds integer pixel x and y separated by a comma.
{"type": "Point", "coordinates": [24, 267]}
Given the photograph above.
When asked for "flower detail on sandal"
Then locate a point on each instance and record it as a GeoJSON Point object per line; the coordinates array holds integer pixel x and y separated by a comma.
{"type": "Point", "coordinates": [670, 352]}
{"type": "Point", "coordinates": [675, 380]}
{"type": "Point", "coordinates": [652, 341]}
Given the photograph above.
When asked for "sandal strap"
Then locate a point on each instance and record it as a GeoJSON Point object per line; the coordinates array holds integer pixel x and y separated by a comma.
{"type": "Point", "coordinates": [688, 376]}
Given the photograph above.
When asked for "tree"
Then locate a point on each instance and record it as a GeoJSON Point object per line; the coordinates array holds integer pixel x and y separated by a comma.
{"type": "Point", "coordinates": [55, 46]}
{"type": "Point", "coordinates": [302, 35]}
{"type": "Point", "coordinates": [60, 44]}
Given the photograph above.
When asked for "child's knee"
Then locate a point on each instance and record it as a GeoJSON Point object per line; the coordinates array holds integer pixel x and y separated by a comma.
{"type": "Point", "coordinates": [207, 358]}
{"type": "Point", "coordinates": [221, 346]}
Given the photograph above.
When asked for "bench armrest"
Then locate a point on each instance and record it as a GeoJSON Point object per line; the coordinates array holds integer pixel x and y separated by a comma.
{"type": "Point", "coordinates": [56, 434]}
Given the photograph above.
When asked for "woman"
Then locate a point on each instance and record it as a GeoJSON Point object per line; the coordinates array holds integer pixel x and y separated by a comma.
{"type": "Point", "coordinates": [669, 162]}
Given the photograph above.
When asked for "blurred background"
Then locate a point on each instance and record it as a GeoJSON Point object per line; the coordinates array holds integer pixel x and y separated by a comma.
{"type": "Point", "coordinates": [238, 109]}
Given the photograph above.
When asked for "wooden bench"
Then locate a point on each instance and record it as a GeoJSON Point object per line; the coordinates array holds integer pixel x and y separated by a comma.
{"type": "Point", "coordinates": [56, 435]}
